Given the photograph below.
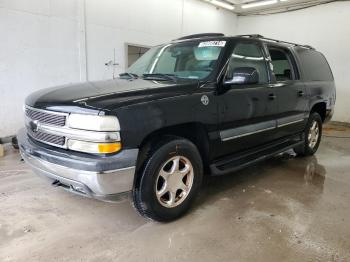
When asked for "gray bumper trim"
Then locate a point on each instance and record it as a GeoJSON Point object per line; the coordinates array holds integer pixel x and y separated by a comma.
{"type": "Point", "coordinates": [88, 183]}
{"type": "Point", "coordinates": [104, 184]}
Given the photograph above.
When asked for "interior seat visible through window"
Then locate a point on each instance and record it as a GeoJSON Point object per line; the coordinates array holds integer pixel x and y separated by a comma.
{"type": "Point", "coordinates": [248, 55]}
{"type": "Point", "coordinates": [282, 67]}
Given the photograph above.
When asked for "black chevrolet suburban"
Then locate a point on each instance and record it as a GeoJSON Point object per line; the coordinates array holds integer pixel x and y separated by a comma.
{"type": "Point", "coordinates": [201, 104]}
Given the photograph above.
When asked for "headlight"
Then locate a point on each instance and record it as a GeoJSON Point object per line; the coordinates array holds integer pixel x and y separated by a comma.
{"type": "Point", "coordinates": [94, 148]}
{"type": "Point", "coordinates": [94, 123]}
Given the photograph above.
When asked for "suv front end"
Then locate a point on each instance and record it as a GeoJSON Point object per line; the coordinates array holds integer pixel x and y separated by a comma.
{"type": "Point", "coordinates": [80, 152]}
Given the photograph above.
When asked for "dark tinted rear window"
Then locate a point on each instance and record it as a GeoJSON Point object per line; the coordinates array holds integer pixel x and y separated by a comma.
{"type": "Point", "coordinates": [314, 65]}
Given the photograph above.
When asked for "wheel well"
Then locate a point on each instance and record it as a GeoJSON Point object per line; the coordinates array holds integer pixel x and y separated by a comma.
{"type": "Point", "coordinates": [195, 132]}
{"type": "Point", "coordinates": [320, 108]}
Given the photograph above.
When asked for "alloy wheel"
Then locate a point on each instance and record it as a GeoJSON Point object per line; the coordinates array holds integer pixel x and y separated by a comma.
{"type": "Point", "coordinates": [313, 135]}
{"type": "Point", "coordinates": [174, 181]}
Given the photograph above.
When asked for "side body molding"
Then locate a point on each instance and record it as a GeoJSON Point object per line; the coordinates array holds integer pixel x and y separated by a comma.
{"type": "Point", "coordinates": [289, 120]}
{"type": "Point", "coordinates": [247, 130]}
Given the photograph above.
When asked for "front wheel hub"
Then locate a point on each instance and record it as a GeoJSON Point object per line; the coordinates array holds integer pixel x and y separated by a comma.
{"type": "Point", "coordinates": [174, 181]}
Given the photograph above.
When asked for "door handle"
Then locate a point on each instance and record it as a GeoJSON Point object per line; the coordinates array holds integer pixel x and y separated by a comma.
{"type": "Point", "coordinates": [272, 96]}
{"type": "Point", "coordinates": [300, 93]}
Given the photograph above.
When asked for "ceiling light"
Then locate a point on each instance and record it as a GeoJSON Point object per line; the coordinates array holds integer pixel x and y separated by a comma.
{"type": "Point", "coordinates": [256, 4]}
{"type": "Point", "coordinates": [283, 0]}
{"type": "Point", "coordinates": [222, 4]}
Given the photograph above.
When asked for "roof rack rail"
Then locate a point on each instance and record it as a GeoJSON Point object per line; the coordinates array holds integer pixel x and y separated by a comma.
{"type": "Point", "coordinates": [252, 36]}
{"type": "Point", "coordinates": [200, 35]}
{"type": "Point", "coordinates": [275, 40]}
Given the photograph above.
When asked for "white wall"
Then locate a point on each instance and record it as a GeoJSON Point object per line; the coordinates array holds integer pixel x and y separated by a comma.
{"type": "Point", "coordinates": [37, 49]}
{"type": "Point", "coordinates": [326, 27]}
{"type": "Point", "coordinates": [111, 24]}
{"type": "Point", "coordinates": [41, 40]}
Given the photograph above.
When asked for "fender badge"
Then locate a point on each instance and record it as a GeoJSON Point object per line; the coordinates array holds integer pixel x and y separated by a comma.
{"type": "Point", "coordinates": [205, 100]}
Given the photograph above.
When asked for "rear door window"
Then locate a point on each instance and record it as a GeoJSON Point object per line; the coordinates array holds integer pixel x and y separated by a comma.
{"type": "Point", "coordinates": [282, 64]}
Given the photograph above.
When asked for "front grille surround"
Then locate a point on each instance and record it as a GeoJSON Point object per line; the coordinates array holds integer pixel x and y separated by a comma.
{"type": "Point", "coordinates": [48, 138]}
{"type": "Point", "coordinates": [46, 117]}
{"type": "Point", "coordinates": [38, 117]}
{"type": "Point", "coordinates": [52, 128]}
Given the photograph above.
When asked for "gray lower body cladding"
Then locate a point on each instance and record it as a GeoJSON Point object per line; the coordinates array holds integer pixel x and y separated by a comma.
{"type": "Point", "coordinates": [100, 177]}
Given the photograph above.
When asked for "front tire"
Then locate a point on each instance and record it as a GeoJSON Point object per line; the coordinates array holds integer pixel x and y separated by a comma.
{"type": "Point", "coordinates": [312, 136]}
{"type": "Point", "coordinates": [169, 180]}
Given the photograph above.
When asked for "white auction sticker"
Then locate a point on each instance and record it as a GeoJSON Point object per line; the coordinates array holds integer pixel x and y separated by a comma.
{"type": "Point", "coordinates": [212, 43]}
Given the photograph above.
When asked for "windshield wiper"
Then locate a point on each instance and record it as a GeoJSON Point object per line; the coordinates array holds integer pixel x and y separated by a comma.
{"type": "Point", "coordinates": [159, 76]}
{"type": "Point", "coordinates": [128, 75]}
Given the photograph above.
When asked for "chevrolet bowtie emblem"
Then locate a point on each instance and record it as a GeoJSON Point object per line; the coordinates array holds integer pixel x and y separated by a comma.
{"type": "Point", "coordinates": [34, 125]}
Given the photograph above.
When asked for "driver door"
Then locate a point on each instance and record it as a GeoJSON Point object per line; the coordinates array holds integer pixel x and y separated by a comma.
{"type": "Point", "coordinates": [247, 111]}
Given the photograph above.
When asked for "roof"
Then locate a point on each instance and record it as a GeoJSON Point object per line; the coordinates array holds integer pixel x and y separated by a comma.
{"type": "Point", "coordinates": [252, 36]}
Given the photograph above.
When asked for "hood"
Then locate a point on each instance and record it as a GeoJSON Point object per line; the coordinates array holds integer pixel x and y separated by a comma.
{"type": "Point", "coordinates": [92, 97]}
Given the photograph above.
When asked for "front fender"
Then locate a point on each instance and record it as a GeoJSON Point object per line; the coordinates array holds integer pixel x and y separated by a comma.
{"type": "Point", "coordinates": [140, 120]}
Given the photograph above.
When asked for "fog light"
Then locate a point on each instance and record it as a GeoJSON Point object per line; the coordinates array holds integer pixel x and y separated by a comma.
{"type": "Point", "coordinates": [95, 148]}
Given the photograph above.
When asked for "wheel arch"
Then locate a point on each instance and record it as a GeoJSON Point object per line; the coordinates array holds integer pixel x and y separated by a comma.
{"type": "Point", "coordinates": [194, 132]}
{"type": "Point", "coordinates": [320, 108]}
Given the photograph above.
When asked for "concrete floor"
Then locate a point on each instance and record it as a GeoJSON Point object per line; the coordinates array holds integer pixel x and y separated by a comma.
{"type": "Point", "coordinates": [285, 209]}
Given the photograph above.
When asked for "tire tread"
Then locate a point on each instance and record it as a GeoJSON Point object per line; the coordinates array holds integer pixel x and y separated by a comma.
{"type": "Point", "coordinates": [138, 203]}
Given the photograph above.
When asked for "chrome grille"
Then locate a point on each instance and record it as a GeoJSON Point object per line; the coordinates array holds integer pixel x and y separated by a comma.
{"type": "Point", "coordinates": [51, 128]}
{"type": "Point", "coordinates": [36, 119]}
{"type": "Point", "coordinates": [48, 138]}
{"type": "Point", "coordinates": [46, 117]}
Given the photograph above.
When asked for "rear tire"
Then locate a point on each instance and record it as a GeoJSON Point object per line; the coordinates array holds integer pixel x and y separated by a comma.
{"type": "Point", "coordinates": [169, 180]}
{"type": "Point", "coordinates": [312, 136]}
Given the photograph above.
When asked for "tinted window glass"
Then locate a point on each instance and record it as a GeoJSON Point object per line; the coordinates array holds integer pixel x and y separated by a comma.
{"type": "Point", "coordinates": [248, 55]}
{"type": "Point", "coordinates": [314, 65]}
{"type": "Point", "coordinates": [195, 60]}
{"type": "Point", "coordinates": [282, 67]}
{"type": "Point", "coordinates": [166, 63]}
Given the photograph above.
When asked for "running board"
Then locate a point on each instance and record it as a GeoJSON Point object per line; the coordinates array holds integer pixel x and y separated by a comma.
{"type": "Point", "coordinates": [229, 165]}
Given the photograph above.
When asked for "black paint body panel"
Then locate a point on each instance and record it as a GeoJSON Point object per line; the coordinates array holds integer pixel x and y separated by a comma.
{"type": "Point", "coordinates": [145, 106]}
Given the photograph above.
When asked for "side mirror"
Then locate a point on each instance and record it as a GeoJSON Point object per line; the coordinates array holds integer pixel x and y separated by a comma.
{"type": "Point", "coordinates": [243, 76]}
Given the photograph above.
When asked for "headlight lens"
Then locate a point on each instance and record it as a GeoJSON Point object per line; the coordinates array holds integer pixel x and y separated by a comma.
{"type": "Point", "coordinates": [94, 148]}
{"type": "Point", "coordinates": [94, 123]}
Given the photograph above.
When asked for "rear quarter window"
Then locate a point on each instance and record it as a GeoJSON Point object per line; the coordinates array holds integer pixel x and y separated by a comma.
{"type": "Point", "coordinates": [314, 65]}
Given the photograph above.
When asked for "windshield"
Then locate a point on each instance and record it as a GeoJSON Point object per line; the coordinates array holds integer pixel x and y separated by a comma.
{"type": "Point", "coordinates": [191, 60]}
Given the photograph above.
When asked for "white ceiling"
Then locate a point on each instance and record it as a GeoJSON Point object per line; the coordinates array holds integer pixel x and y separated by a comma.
{"type": "Point", "coordinates": [280, 6]}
